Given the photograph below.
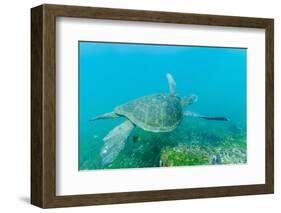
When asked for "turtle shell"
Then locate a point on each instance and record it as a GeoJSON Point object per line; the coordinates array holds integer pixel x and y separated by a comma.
{"type": "Point", "coordinates": [155, 113]}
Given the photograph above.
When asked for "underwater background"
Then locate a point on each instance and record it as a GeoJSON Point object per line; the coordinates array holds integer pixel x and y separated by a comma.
{"type": "Point", "coordinates": [110, 74]}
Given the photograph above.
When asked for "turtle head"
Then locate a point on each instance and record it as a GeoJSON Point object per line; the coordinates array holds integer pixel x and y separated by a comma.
{"type": "Point", "coordinates": [185, 101]}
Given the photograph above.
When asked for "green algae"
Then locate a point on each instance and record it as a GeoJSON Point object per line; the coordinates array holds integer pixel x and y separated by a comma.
{"type": "Point", "coordinates": [183, 155]}
{"type": "Point", "coordinates": [194, 142]}
{"type": "Point", "coordinates": [196, 154]}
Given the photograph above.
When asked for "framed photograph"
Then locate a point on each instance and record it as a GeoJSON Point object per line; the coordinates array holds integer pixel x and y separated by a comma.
{"type": "Point", "coordinates": [136, 106]}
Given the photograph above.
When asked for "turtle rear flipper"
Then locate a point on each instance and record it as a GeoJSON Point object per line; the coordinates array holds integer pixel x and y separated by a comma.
{"type": "Point", "coordinates": [105, 116]}
{"type": "Point", "coordinates": [114, 141]}
{"type": "Point", "coordinates": [214, 118]}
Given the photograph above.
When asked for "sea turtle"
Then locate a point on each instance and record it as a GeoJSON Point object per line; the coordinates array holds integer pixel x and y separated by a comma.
{"type": "Point", "coordinates": [153, 113]}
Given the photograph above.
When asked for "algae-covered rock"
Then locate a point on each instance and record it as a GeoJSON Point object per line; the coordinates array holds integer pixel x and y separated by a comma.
{"type": "Point", "coordinates": [230, 151]}
{"type": "Point", "coordinates": [194, 142]}
{"type": "Point", "coordinates": [184, 155]}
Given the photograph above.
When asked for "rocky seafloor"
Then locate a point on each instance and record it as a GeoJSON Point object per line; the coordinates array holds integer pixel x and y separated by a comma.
{"type": "Point", "coordinates": [194, 142]}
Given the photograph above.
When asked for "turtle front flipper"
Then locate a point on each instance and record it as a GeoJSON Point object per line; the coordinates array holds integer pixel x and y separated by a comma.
{"type": "Point", "coordinates": [216, 118]}
{"type": "Point", "coordinates": [114, 141]}
{"type": "Point", "coordinates": [105, 116]}
{"type": "Point", "coordinates": [172, 84]}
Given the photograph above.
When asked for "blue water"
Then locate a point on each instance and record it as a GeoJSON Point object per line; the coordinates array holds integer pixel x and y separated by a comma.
{"type": "Point", "coordinates": [111, 74]}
